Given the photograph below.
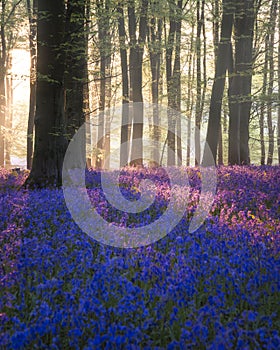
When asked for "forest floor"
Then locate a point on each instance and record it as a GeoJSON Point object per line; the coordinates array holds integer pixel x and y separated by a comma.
{"type": "Point", "coordinates": [215, 288]}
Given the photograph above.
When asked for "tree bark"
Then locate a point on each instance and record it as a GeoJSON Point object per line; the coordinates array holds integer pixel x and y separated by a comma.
{"type": "Point", "coordinates": [155, 51]}
{"type": "Point", "coordinates": [9, 112]}
{"type": "Point", "coordinates": [278, 119]}
{"type": "Point", "coordinates": [263, 97]}
{"type": "Point", "coordinates": [50, 141]}
{"type": "Point", "coordinates": [271, 43]}
{"type": "Point", "coordinates": [173, 78]}
{"type": "Point", "coordinates": [124, 146]}
{"type": "Point", "coordinates": [223, 63]}
{"type": "Point", "coordinates": [3, 59]}
{"type": "Point", "coordinates": [189, 102]}
{"type": "Point", "coordinates": [135, 69]}
{"type": "Point", "coordinates": [245, 39]}
{"type": "Point", "coordinates": [32, 14]}
{"type": "Point", "coordinates": [240, 84]}
{"type": "Point", "coordinates": [75, 68]}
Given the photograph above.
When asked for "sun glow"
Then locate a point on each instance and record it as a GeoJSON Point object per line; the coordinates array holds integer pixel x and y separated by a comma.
{"type": "Point", "coordinates": [20, 74]}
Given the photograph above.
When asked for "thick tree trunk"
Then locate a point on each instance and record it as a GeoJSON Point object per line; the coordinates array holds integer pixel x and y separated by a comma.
{"type": "Point", "coordinates": [75, 76]}
{"type": "Point", "coordinates": [234, 116]}
{"type": "Point", "coordinates": [245, 26]}
{"type": "Point", "coordinates": [223, 62]}
{"type": "Point", "coordinates": [240, 90]}
{"type": "Point", "coordinates": [50, 141]}
{"type": "Point", "coordinates": [135, 69]}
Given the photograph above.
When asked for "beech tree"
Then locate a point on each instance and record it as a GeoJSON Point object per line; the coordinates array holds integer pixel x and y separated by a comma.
{"type": "Point", "coordinates": [124, 145]}
{"type": "Point", "coordinates": [241, 83]}
{"type": "Point", "coordinates": [154, 36]}
{"type": "Point", "coordinates": [222, 66]}
{"type": "Point", "coordinates": [270, 58]}
{"type": "Point", "coordinates": [137, 38]}
{"type": "Point", "coordinates": [173, 78]}
{"type": "Point", "coordinates": [75, 65]}
{"type": "Point", "coordinates": [50, 139]}
{"type": "Point", "coordinates": [32, 14]}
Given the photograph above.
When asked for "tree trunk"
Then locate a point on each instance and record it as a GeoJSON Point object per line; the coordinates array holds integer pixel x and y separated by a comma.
{"type": "Point", "coordinates": [75, 70]}
{"type": "Point", "coordinates": [171, 94]}
{"type": "Point", "coordinates": [234, 116]}
{"type": "Point", "coordinates": [198, 84]}
{"type": "Point", "coordinates": [278, 119]}
{"type": "Point", "coordinates": [177, 79]}
{"type": "Point", "coordinates": [124, 146]}
{"type": "Point", "coordinates": [50, 141]}
{"type": "Point", "coordinates": [246, 31]}
{"type": "Point", "coordinates": [135, 69]}
{"type": "Point", "coordinates": [271, 42]}
{"type": "Point", "coordinates": [32, 14]}
{"type": "Point", "coordinates": [263, 97]}
{"type": "Point", "coordinates": [3, 59]}
{"type": "Point", "coordinates": [240, 89]}
{"type": "Point", "coordinates": [223, 63]}
{"type": "Point", "coordinates": [9, 113]}
{"type": "Point", "coordinates": [220, 149]}
{"type": "Point", "coordinates": [173, 78]}
{"type": "Point", "coordinates": [189, 102]}
{"type": "Point", "coordinates": [155, 50]}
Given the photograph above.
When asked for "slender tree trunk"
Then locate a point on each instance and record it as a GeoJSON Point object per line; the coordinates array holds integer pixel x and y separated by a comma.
{"type": "Point", "coordinates": [108, 94]}
{"type": "Point", "coordinates": [3, 59]}
{"type": "Point", "coordinates": [216, 29]}
{"type": "Point", "coordinates": [198, 115]}
{"type": "Point", "coordinates": [86, 92]}
{"type": "Point", "coordinates": [32, 14]}
{"type": "Point", "coordinates": [189, 102]}
{"type": "Point", "coordinates": [50, 141]}
{"type": "Point", "coordinates": [124, 147]}
{"type": "Point", "coordinates": [173, 77]}
{"type": "Point", "coordinates": [154, 41]}
{"type": "Point", "coordinates": [262, 107]}
{"type": "Point", "coordinates": [9, 113]}
{"type": "Point", "coordinates": [271, 43]}
{"type": "Point", "coordinates": [278, 119]}
{"type": "Point", "coordinates": [223, 62]}
{"type": "Point", "coordinates": [103, 28]}
{"type": "Point", "coordinates": [170, 89]}
{"type": "Point", "coordinates": [177, 79]}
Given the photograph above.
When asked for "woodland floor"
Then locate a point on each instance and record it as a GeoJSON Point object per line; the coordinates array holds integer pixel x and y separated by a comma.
{"type": "Point", "coordinates": [216, 288]}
